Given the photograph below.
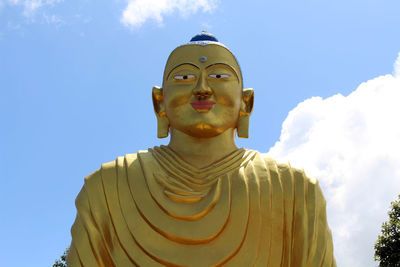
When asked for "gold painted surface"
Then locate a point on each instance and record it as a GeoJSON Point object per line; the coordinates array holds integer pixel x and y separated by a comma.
{"type": "Point", "coordinates": [201, 84]}
{"type": "Point", "coordinates": [245, 210]}
{"type": "Point", "coordinates": [201, 200]}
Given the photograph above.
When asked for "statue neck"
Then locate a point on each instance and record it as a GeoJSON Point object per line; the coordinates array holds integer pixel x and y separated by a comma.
{"type": "Point", "coordinates": [202, 152]}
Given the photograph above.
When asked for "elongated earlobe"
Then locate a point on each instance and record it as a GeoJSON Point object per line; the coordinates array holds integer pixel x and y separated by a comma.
{"type": "Point", "coordinates": [162, 127]}
{"type": "Point", "coordinates": [243, 127]}
{"type": "Point", "coordinates": [159, 109]}
{"type": "Point", "coordinates": [245, 112]}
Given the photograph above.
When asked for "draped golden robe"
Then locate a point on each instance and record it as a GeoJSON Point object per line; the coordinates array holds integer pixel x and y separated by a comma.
{"type": "Point", "coordinates": [154, 209]}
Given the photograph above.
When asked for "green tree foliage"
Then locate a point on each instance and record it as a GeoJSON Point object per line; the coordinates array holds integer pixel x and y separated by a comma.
{"type": "Point", "coordinates": [387, 248]}
{"type": "Point", "coordinates": [62, 261]}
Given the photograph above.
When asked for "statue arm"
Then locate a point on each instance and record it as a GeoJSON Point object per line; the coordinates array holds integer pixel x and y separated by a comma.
{"type": "Point", "coordinates": [299, 211]}
{"type": "Point", "coordinates": [321, 243]}
{"type": "Point", "coordinates": [73, 258]}
{"type": "Point", "coordinates": [88, 247]}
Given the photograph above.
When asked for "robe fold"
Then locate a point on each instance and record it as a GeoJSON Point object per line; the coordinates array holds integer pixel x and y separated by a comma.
{"type": "Point", "coordinates": [154, 209]}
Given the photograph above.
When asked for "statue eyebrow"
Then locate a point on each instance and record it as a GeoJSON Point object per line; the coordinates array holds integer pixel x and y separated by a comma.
{"type": "Point", "coordinates": [234, 71]}
{"type": "Point", "coordinates": [181, 65]}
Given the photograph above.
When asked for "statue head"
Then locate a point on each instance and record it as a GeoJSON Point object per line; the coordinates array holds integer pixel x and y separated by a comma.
{"type": "Point", "coordinates": [202, 93]}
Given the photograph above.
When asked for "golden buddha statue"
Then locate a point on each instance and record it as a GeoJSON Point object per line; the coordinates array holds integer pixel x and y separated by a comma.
{"type": "Point", "coordinates": [201, 200]}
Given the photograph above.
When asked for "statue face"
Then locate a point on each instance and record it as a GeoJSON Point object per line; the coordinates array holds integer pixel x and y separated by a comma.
{"type": "Point", "coordinates": [202, 90]}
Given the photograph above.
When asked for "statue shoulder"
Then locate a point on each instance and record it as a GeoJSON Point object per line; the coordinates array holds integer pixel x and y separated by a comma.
{"type": "Point", "coordinates": [109, 170]}
{"type": "Point", "coordinates": [112, 166]}
{"type": "Point", "coordinates": [104, 179]}
{"type": "Point", "coordinates": [287, 172]}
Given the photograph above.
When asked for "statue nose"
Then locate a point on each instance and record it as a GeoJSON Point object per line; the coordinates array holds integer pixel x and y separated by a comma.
{"type": "Point", "coordinates": [202, 90]}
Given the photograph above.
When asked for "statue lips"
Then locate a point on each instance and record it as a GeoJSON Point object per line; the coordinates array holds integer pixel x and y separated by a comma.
{"type": "Point", "coordinates": [202, 105]}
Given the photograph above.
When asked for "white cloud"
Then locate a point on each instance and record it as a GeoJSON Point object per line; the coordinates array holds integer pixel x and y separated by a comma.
{"type": "Point", "coordinates": [31, 6]}
{"type": "Point", "coordinates": [139, 11]}
{"type": "Point", "coordinates": [352, 145]}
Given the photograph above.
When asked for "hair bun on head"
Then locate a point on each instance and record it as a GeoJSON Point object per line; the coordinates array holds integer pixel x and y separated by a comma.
{"type": "Point", "coordinates": [204, 36]}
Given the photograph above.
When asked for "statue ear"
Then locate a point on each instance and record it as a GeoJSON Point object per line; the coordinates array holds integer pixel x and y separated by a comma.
{"type": "Point", "coordinates": [159, 109]}
{"type": "Point", "coordinates": [245, 112]}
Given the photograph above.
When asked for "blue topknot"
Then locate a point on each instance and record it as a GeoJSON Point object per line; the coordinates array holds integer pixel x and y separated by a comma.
{"type": "Point", "coordinates": [204, 36]}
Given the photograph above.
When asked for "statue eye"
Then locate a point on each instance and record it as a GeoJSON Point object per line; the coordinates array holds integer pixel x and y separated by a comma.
{"type": "Point", "coordinates": [184, 77]}
{"type": "Point", "coordinates": [219, 76]}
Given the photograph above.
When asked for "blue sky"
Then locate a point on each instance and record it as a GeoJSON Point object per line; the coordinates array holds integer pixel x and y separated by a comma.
{"type": "Point", "coordinates": [75, 92]}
